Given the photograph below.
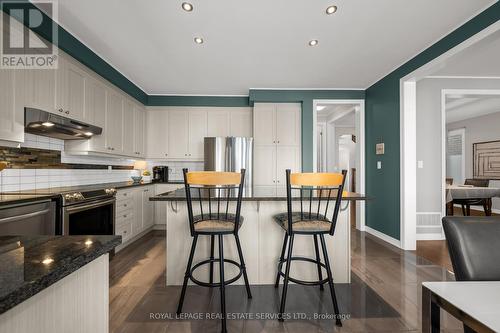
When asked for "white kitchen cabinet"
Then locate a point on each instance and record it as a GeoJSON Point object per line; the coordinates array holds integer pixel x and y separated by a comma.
{"type": "Point", "coordinates": [139, 129]}
{"type": "Point", "coordinates": [197, 133]}
{"type": "Point", "coordinates": [218, 123]}
{"type": "Point", "coordinates": [288, 124]}
{"type": "Point", "coordinates": [70, 89]}
{"type": "Point", "coordinates": [39, 87]}
{"type": "Point", "coordinates": [277, 146]}
{"type": "Point", "coordinates": [264, 124]}
{"type": "Point", "coordinates": [178, 134]}
{"type": "Point", "coordinates": [128, 128]}
{"type": "Point", "coordinates": [11, 107]}
{"type": "Point", "coordinates": [148, 207]}
{"type": "Point", "coordinates": [95, 112]}
{"type": "Point", "coordinates": [240, 122]}
{"type": "Point", "coordinates": [137, 226]}
{"type": "Point", "coordinates": [157, 134]}
{"type": "Point", "coordinates": [114, 122]}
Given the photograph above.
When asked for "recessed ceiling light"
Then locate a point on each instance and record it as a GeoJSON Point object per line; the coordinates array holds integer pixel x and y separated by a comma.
{"type": "Point", "coordinates": [313, 42]}
{"type": "Point", "coordinates": [331, 9]}
{"type": "Point", "coordinates": [321, 107]}
{"type": "Point", "coordinates": [88, 133]}
{"type": "Point", "coordinates": [187, 6]}
{"type": "Point", "coordinates": [198, 40]}
{"type": "Point", "coordinates": [48, 124]}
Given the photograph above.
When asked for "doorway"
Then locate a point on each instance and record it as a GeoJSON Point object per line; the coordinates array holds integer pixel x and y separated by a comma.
{"type": "Point", "coordinates": [339, 144]}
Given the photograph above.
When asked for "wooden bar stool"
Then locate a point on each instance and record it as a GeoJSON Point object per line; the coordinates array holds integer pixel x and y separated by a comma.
{"type": "Point", "coordinates": [218, 213]}
{"type": "Point", "coordinates": [314, 193]}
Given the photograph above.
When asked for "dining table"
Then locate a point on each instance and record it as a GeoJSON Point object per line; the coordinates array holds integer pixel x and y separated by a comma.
{"type": "Point", "coordinates": [466, 192]}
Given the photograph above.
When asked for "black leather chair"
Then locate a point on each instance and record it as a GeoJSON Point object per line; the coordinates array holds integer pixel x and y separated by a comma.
{"type": "Point", "coordinates": [484, 202]}
{"type": "Point", "coordinates": [474, 246]}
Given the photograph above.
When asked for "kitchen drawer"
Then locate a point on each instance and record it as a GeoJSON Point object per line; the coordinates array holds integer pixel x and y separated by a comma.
{"type": "Point", "coordinates": [124, 230]}
{"type": "Point", "coordinates": [124, 217]}
{"type": "Point", "coordinates": [124, 195]}
{"type": "Point", "coordinates": [123, 205]}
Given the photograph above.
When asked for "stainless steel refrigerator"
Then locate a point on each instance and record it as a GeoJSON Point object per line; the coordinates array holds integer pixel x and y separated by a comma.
{"type": "Point", "coordinates": [230, 154]}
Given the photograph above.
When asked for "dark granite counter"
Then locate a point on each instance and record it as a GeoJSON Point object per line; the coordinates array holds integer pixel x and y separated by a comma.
{"type": "Point", "coordinates": [180, 195]}
{"type": "Point", "coordinates": [30, 264]}
{"type": "Point", "coordinates": [7, 200]}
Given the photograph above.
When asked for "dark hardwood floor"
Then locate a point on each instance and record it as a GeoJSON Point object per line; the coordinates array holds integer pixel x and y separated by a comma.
{"type": "Point", "coordinates": [384, 295]}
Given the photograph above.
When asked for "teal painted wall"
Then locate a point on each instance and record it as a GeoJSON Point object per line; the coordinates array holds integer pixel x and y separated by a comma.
{"type": "Point", "coordinates": [232, 101]}
{"type": "Point", "coordinates": [305, 97]}
{"type": "Point", "coordinates": [383, 124]}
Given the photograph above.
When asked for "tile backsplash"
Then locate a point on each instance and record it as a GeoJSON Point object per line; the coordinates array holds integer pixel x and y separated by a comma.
{"type": "Point", "coordinates": [38, 178]}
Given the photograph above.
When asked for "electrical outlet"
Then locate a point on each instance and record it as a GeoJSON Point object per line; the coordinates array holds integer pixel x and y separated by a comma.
{"type": "Point", "coordinates": [379, 165]}
{"type": "Point", "coordinates": [420, 164]}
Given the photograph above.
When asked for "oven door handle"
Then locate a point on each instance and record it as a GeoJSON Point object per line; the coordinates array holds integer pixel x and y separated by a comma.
{"type": "Point", "coordinates": [89, 206]}
{"type": "Point", "coordinates": [24, 216]}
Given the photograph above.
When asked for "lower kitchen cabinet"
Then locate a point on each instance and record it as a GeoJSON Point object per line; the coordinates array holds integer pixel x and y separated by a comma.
{"type": "Point", "coordinates": [134, 213]}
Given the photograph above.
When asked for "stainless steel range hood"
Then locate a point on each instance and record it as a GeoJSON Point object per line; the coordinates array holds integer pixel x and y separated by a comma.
{"type": "Point", "coordinates": [44, 123]}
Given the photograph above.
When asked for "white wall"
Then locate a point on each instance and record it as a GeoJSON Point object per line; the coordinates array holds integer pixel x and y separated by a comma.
{"type": "Point", "coordinates": [429, 136]}
{"type": "Point", "coordinates": [479, 129]}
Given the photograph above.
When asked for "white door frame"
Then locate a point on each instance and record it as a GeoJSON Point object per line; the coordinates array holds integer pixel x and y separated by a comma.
{"type": "Point", "coordinates": [408, 110]}
{"type": "Point", "coordinates": [360, 158]}
{"type": "Point", "coordinates": [444, 135]}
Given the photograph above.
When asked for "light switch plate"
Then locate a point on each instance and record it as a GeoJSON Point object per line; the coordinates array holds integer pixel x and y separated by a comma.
{"type": "Point", "coordinates": [380, 149]}
{"type": "Point", "coordinates": [379, 165]}
{"type": "Point", "coordinates": [420, 164]}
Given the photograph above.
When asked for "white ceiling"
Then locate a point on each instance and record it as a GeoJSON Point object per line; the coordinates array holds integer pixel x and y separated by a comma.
{"type": "Point", "coordinates": [462, 107]}
{"type": "Point", "coordinates": [479, 60]}
{"type": "Point", "coordinates": [260, 43]}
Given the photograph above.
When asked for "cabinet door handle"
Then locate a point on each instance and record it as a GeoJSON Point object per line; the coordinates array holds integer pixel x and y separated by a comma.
{"type": "Point", "coordinates": [124, 231]}
{"type": "Point", "coordinates": [124, 216]}
{"type": "Point", "coordinates": [60, 110]}
{"type": "Point", "coordinates": [125, 205]}
{"type": "Point", "coordinates": [67, 112]}
{"type": "Point", "coordinates": [278, 141]}
{"type": "Point", "coordinates": [166, 154]}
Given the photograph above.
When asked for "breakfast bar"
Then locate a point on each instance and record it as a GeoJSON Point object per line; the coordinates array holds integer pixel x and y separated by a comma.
{"type": "Point", "coordinates": [261, 240]}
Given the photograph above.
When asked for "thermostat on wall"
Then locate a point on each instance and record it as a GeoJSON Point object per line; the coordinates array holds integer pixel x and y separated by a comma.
{"type": "Point", "coordinates": [380, 148]}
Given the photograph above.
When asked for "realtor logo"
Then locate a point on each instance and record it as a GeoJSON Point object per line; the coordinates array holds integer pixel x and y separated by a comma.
{"type": "Point", "coordinates": [29, 33]}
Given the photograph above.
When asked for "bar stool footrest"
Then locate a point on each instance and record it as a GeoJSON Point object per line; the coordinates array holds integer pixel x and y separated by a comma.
{"type": "Point", "coordinates": [218, 284]}
{"type": "Point", "coordinates": [302, 282]}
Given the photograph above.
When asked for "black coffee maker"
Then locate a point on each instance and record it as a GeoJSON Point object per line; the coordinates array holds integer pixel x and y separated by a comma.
{"type": "Point", "coordinates": [160, 174]}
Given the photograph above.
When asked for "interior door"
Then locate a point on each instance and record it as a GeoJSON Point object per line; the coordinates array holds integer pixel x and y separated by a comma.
{"type": "Point", "coordinates": [455, 155]}
{"type": "Point", "coordinates": [197, 133]}
{"type": "Point", "coordinates": [178, 138]}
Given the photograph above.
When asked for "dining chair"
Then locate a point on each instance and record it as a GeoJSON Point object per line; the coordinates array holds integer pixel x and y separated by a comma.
{"type": "Point", "coordinates": [474, 248]}
{"type": "Point", "coordinates": [315, 194]}
{"type": "Point", "coordinates": [467, 203]}
{"type": "Point", "coordinates": [214, 209]}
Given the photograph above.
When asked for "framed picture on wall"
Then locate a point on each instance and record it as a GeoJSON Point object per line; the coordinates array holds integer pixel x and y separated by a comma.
{"type": "Point", "coordinates": [486, 160]}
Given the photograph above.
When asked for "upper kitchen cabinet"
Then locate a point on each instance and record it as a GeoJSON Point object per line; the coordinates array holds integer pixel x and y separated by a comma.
{"type": "Point", "coordinates": [128, 128]}
{"type": "Point", "coordinates": [288, 124]}
{"type": "Point", "coordinates": [277, 123]}
{"type": "Point", "coordinates": [178, 134]}
{"type": "Point", "coordinates": [197, 133]}
{"type": "Point", "coordinates": [114, 122]}
{"type": "Point", "coordinates": [157, 133]}
{"type": "Point", "coordinates": [95, 112]}
{"type": "Point", "coordinates": [218, 123]}
{"type": "Point", "coordinates": [39, 87]}
{"type": "Point", "coordinates": [264, 124]}
{"type": "Point", "coordinates": [139, 131]}
{"type": "Point", "coordinates": [11, 107]}
{"type": "Point", "coordinates": [70, 89]}
{"type": "Point", "coordinates": [240, 122]}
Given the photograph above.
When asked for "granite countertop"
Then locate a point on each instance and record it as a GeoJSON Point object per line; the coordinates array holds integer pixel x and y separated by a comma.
{"type": "Point", "coordinates": [180, 195]}
{"type": "Point", "coordinates": [12, 198]}
{"type": "Point", "coordinates": [30, 264]}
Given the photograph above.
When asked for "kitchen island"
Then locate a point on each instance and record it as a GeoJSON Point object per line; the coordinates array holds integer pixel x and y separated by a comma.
{"type": "Point", "coordinates": [52, 284]}
{"type": "Point", "coordinates": [261, 240]}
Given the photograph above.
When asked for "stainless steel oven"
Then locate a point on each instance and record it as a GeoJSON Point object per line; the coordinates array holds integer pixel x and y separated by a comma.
{"type": "Point", "coordinates": [89, 213]}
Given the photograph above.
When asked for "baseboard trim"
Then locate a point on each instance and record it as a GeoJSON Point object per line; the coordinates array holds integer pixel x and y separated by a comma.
{"type": "Point", "coordinates": [160, 227]}
{"type": "Point", "coordinates": [494, 210]}
{"type": "Point", "coordinates": [384, 237]}
{"type": "Point", "coordinates": [425, 237]}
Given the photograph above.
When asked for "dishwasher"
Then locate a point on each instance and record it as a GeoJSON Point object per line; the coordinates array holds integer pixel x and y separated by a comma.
{"type": "Point", "coordinates": [32, 218]}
